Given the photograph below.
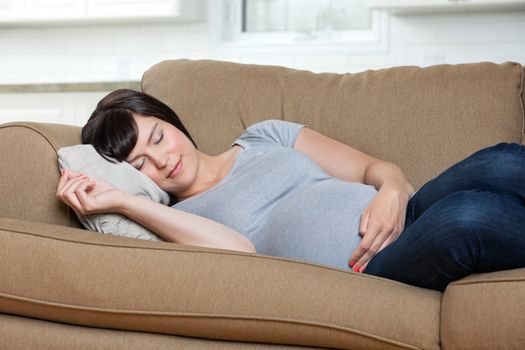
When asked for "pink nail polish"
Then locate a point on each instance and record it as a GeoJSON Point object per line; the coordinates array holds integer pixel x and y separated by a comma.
{"type": "Point", "coordinates": [356, 268]}
{"type": "Point", "coordinates": [352, 263]}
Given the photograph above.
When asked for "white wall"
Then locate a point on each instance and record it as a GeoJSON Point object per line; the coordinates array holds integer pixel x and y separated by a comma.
{"type": "Point", "coordinates": [102, 53]}
{"type": "Point", "coordinates": [124, 52]}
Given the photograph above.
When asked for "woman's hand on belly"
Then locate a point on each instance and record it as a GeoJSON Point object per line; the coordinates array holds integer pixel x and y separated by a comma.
{"type": "Point", "coordinates": [381, 223]}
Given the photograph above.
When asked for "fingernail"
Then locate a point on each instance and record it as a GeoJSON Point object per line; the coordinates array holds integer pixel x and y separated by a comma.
{"type": "Point", "coordinates": [362, 269]}
{"type": "Point", "coordinates": [352, 263]}
{"type": "Point", "coordinates": [356, 269]}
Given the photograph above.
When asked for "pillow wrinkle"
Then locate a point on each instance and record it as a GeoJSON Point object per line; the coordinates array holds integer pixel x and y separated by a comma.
{"type": "Point", "coordinates": [122, 226]}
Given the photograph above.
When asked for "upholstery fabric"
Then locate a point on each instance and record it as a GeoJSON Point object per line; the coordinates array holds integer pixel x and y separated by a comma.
{"type": "Point", "coordinates": [30, 179]}
{"type": "Point", "coordinates": [79, 277]}
{"type": "Point", "coordinates": [422, 119]}
{"type": "Point", "coordinates": [21, 333]}
{"type": "Point", "coordinates": [485, 311]}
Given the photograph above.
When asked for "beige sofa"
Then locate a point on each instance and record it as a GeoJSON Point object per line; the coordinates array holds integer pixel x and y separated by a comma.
{"type": "Point", "coordinates": [62, 287]}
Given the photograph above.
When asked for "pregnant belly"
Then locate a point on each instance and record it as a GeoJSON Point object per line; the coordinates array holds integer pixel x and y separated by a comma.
{"type": "Point", "coordinates": [317, 223]}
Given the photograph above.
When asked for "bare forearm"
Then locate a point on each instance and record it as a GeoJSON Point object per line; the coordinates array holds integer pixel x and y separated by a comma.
{"type": "Point", "coordinates": [379, 174]}
{"type": "Point", "coordinates": [178, 226]}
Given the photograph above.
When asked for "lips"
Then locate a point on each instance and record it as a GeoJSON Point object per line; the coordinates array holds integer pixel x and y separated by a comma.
{"type": "Point", "coordinates": [177, 168]}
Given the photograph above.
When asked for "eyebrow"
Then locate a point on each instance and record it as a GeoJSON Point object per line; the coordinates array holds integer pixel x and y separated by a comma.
{"type": "Point", "coordinates": [149, 139]}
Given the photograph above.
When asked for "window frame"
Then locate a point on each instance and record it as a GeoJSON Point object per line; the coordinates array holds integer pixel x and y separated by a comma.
{"type": "Point", "coordinates": [226, 36]}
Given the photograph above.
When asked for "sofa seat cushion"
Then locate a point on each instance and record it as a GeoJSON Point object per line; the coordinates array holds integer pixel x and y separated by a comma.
{"type": "Point", "coordinates": [22, 333]}
{"type": "Point", "coordinates": [73, 276]}
{"type": "Point", "coordinates": [485, 311]}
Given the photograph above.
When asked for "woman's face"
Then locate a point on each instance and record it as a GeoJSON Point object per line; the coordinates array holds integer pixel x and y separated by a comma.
{"type": "Point", "coordinates": [164, 154]}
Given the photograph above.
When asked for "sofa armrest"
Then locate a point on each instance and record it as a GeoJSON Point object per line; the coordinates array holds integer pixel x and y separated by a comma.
{"type": "Point", "coordinates": [484, 311]}
{"type": "Point", "coordinates": [74, 276]}
{"type": "Point", "coordinates": [30, 171]}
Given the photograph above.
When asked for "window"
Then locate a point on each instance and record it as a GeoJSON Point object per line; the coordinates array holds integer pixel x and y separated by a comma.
{"type": "Point", "coordinates": [296, 26]}
{"type": "Point", "coordinates": [311, 18]}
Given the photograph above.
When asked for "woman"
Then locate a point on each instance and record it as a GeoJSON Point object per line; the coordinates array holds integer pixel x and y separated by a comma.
{"type": "Point", "coordinates": [292, 192]}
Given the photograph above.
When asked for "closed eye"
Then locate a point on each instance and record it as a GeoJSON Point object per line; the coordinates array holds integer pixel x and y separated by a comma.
{"type": "Point", "coordinates": [139, 166]}
{"type": "Point", "coordinates": [160, 138]}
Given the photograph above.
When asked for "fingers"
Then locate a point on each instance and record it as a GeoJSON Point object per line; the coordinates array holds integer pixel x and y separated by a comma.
{"type": "Point", "coordinates": [369, 246]}
{"type": "Point", "coordinates": [401, 223]}
{"type": "Point", "coordinates": [61, 181]}
{"type": "Point", "coordinates": [377, 237]}
{"type": "Point", "coordinates": [70, 193]}
{"type": "Point", "coordinates": [80, 195]}
{"type": "Point", "coordinates": [364, 223]}
{"type": "Point", "coordinates": [65, 182]}
{"type": "Point", "coordinates": [385, 244]}
{"type": "Point", "coordinates": [70, 185]}
{"type": "Point", "coordinates": [83, 198]}
{"type": "Point", "coordinates": [381, 223]}
{"type": "Point", "coordinates": [65, 176]}
{"type": "Point", "coordinates": [362, 248]}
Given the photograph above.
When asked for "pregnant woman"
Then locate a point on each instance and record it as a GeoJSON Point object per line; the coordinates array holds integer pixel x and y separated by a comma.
{"type": "Point", "coordinates": [283, 189]}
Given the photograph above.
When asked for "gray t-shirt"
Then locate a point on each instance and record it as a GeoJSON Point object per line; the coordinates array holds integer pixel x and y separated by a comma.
{"type": "Point", "coordinates": [283, 201]}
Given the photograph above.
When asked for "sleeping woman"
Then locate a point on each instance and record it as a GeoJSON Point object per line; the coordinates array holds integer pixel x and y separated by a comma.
{"type": "Point", "coordinates": [285, 190]}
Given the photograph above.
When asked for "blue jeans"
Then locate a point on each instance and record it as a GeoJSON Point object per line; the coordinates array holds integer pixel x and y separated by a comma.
{"type": "Point", "coordinates": [469, 219]}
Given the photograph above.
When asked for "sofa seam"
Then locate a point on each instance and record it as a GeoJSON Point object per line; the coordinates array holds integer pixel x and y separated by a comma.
{"type": "Point", "coordinates": [212, 316]}
{"type": "Point", "coordinates": [440, 322]}
{"type": "Point", "coordinates": [259, 256]}
{"type": "Point", "coordinates": [53, 145]}
{"type": "Point", "coordinates": [520, 98]}
{"type": "Point", "coordinates": [281, 79]}
{"type": "Point", "coordinates": [499, 280]}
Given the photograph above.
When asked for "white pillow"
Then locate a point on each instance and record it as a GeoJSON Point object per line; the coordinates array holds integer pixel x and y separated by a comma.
{"type": "Point", "coordinates": [85, 159]}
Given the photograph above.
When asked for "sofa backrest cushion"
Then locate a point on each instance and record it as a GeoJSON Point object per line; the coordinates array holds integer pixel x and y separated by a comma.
{"type": "Point", "coordinates": [422, 119]}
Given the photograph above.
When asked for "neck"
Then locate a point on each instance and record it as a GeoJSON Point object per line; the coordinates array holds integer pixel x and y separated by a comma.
{"type": "Point", "coordinates": [211, 170]}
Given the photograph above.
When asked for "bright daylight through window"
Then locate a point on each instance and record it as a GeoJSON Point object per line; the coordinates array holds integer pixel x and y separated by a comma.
{"type": "Point", "coordinates": [312, 19]}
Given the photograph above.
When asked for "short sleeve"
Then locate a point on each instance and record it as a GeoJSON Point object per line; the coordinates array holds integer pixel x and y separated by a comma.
{"type": "Point", "coordinates": [271, 131]}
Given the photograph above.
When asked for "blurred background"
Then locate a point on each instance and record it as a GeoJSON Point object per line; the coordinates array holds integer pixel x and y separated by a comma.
{"type": "Point", "coordinates": [59, 57]}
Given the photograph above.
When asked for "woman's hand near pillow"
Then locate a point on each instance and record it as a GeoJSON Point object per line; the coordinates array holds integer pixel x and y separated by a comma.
{"type": "Point", "coordinates": [92, 196]}
{"type": "Point", "coordinates": [88, 196]}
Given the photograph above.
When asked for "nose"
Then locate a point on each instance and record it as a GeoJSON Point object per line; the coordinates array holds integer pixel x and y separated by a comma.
{"type": "Point", "coordinates": [159, 159]}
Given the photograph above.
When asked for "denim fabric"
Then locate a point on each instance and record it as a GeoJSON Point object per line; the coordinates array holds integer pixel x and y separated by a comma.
{"type": "Point", "coordinates": [469, 219]}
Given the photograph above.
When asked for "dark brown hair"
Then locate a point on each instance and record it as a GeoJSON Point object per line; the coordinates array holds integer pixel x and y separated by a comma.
{"type": "Point", "coordinates": [111, 128]}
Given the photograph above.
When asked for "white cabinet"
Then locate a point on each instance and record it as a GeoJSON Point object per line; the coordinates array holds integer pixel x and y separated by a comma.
{"type": "Point", "coordinates": [10, 9]}
{"type": "Point", "coordinates": [427, 6]}
{"type": "Point", "coordinates": [183, 9]}
{"type": "Point", "coordinates": [72, 108]}
{"type": "Point", "coordinates": [42, 10]}
{"type": "Point", "coordinates": [70, 12]}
